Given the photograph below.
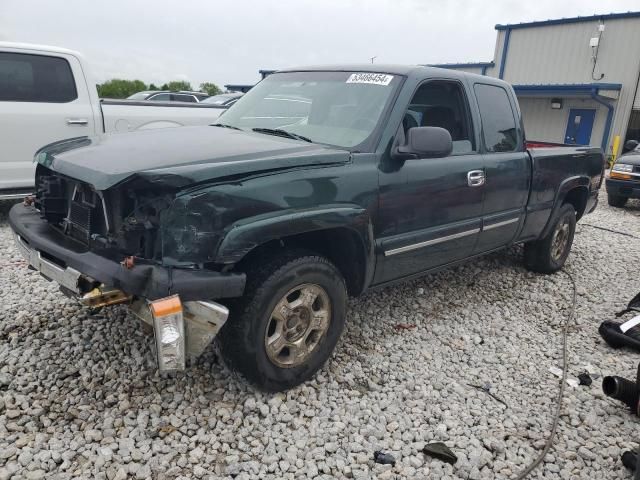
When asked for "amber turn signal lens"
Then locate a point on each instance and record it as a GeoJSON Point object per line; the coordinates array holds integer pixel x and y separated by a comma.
{"type": "Point", "coordinates": [166, 306]}
{"type": "Point", "coordinates": [621, 176]}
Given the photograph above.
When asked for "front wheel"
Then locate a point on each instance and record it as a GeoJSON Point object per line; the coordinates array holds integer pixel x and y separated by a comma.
{"type": "Point", "coordinates": [616, 200]}
{"type": "Point", "coordinates": [549, 254]}
{"type": "Point", "coordinates": [288, 322]}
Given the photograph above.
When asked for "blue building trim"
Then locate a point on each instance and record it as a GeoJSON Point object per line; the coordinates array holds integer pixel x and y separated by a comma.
{"type": "Point", "coordinates": [607, 125]}
{"type": "Point", "coordinates": [565, 88]}
{"type": "Point", "coordinates": [505, 49]}
{"type": "Point", "coordinates": [562, 21]}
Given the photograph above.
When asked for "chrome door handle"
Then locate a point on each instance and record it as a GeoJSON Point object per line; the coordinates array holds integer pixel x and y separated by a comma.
{"type": "Point", "coordinates": [475, 178]}
{"type": "Point", "coordinates": [77, 121]}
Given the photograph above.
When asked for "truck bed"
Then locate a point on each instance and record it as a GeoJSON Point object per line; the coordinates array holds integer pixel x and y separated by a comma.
{"type": "Point", "coordinates": [554, 171]}
{"type": "Point", "coordinates": [128, 115]}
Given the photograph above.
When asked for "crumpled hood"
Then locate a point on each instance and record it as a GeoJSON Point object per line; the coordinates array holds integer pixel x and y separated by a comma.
{"type": "Point", "coordinates": [180, 156]}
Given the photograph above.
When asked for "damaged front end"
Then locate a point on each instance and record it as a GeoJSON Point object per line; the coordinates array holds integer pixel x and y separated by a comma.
{"type": "Point", "coordinates": [132, 244]}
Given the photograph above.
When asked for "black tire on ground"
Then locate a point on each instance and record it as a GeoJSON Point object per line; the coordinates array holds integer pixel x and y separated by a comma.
{"type": "Point", "coordinates": [246, 337]}
{"type": "Point", "coordinates": [548, 254]}
{"type": "Point", "coordinates": [616, 201]}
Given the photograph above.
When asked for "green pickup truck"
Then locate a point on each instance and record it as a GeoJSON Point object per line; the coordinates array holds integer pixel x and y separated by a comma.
{"type": "Point", "coordinates": [318, 184]}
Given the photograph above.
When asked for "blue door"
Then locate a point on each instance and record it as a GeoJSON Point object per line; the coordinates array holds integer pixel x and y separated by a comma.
{"type": "Point", "coordinates": [579, 126]}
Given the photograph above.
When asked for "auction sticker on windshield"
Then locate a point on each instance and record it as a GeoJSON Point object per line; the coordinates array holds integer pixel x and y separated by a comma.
{"type": "Point", "coordinates": [372, 78]}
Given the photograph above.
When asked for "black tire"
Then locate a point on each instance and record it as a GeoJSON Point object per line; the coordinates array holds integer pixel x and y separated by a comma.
{"type": "Point", "coordinates": [544, 256]}
{"type": "Point", "coordinates": [243, 338]}
{"type": "Point", "coordinates": [616, 201]}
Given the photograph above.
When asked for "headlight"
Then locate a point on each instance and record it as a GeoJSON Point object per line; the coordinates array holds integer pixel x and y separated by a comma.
{"type": "Point", "coordinates": [623, 167]}
{"type": "Point", "coordinates": [190, 231]}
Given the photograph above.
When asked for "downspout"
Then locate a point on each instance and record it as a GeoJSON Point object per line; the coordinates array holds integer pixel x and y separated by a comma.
{"type": "Point", "coordinates": [607, 125]}
{"type": "Point", "coordinates": [484, 69]}
{"type": "Point", "coordinates": [505, 49]}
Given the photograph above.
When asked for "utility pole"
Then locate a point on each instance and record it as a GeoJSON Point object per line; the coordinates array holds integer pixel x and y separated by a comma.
{"type": "Point", "coordinates": [373, 58]}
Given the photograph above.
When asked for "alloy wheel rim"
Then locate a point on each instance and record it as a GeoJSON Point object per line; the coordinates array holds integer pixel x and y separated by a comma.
{"type": "Point", "coordinates": [560, 239]}
{"type": "Point", "coordinates": [297, 324]}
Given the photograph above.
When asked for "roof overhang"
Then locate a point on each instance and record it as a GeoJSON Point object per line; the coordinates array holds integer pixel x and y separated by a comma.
{"type": "Point", "coordinates": [564, 21]}
{"type": "Point", "coordinates": [586, 90]}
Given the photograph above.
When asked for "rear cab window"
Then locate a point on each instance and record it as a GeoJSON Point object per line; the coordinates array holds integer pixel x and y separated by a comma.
{"type": "Point", "coordinates": [36, 78]}
{"type": "Point", "coordinates": [499, 127]}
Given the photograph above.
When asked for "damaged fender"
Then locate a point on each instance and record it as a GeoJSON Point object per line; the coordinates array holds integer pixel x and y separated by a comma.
{"type": "Point", "coordinates": [246, 234]}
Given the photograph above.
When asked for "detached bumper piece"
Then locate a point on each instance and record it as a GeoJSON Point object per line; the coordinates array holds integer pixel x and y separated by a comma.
{"type": "Point", "coordinates": [69, 262]}
{"type": "Point", "coordinates": [182, 330]}
{"type": "Point", "coordinates": [168, 326]}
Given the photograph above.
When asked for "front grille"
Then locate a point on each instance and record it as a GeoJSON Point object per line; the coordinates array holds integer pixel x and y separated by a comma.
{"type": "Point", "coordinates": [79, 221]}
{"type": "Point", "coordinates": [70, 206]}
{"type": "Point", "coordinates": [51, 198]}
{"type": "Point", "coordinates": [80, 215]}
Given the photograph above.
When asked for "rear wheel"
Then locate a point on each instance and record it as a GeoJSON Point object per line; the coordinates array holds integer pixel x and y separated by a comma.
{"type": "Point", "coordinates": [616, 200]}
{"type": "Point", "coordinates": [288, 322]}
{"type": "Point", "coordinates": [549, 254]}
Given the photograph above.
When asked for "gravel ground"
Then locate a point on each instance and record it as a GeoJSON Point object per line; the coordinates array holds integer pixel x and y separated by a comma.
{"type": "Point", "coordinates": [80, 396]}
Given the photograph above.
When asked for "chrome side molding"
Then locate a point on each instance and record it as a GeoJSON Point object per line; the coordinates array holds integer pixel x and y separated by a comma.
{"type": "Point", "coordinates": [433, 241]}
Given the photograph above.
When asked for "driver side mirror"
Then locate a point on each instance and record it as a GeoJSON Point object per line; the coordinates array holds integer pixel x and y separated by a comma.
{"type": "Point", "coordinates": [425, 142]}
{"type": "Point", "coordinates": [630, 145]}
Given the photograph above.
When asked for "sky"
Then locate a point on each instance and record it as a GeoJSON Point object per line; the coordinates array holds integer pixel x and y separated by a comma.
{"type": "Point", "coordinates": [228, 42]}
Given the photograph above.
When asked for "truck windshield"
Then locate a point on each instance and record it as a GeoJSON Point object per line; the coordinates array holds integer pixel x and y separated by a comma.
{"type": "Point", "coordinates": [335, 108]}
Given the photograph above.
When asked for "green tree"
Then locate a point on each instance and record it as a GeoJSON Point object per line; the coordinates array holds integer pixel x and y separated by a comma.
{"type": "Point", "coordinates": [119, 88]}
{"type": "Point", "coordinates": [152, 86]}
{"type": "Point", "coordinates": [211, 88]}
{"type": "Point", "coordinates": [178, 85]}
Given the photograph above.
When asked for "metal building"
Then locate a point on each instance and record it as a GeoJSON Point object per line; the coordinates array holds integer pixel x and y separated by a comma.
{"type": "Point", "coordinates": [577, 79]}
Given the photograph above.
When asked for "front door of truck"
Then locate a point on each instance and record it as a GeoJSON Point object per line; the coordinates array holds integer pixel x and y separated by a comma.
{"type": "Point", "coordinates": [43, 99]}
{"type": "Point", "coordinates": [430, 208]}
{"type": "Point", "coordinates": [507, 167]}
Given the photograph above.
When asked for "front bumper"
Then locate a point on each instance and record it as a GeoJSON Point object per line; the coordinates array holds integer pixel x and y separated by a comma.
{"type": "Point", "coordinates": [623, 188]}
{"type": "Point", "coordinates": [68, 262]}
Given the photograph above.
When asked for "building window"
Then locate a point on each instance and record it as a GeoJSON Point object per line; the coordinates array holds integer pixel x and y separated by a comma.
{"type": "Point", "coordinates": [633, 130]}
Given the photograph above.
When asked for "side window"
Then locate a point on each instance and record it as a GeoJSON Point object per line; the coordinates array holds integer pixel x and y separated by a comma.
{"type": "Point", "coordinates": [184, 98]}
{"type": "Point", "coordinates": [160, 97]}
{"type": "Point", "coordinates": [442, 104]}
{"type": "Point", "coordinates": [498, 121]}
{"type": "Point", "coordinates": [35, 78]}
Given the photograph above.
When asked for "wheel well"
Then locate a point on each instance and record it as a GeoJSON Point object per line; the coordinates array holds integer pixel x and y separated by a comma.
{"type": "Point", "coordinates": [342, 246]}
{"type": "Point", "coordinates": [578, 198]}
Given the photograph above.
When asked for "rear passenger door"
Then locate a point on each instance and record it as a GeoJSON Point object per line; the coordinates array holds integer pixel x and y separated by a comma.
{"type": "Point", "coordinates": [430, 208]}
{"type": "Point", "coordinates": [507, 167]}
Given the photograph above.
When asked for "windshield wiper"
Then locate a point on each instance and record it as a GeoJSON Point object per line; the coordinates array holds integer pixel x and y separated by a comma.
{"type": "Point", "coordinates": [224, 125]}
{"type": "Point", "coordinates": [282, 133]}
